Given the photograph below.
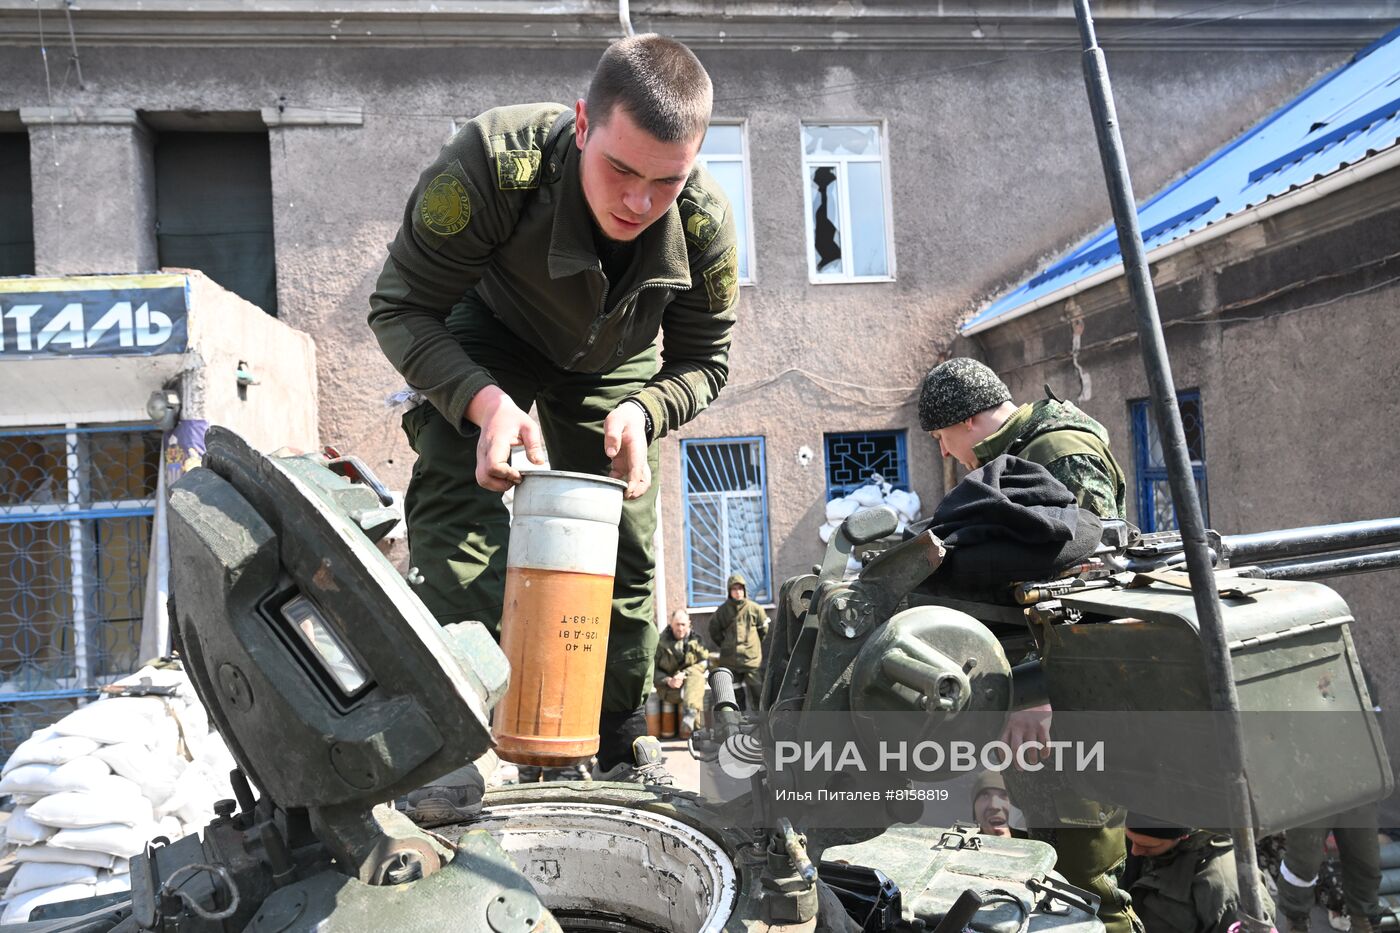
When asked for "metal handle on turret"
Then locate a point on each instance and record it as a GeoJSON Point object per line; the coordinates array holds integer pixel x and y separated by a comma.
{"type": "Point", "coordinates": [726, 707]}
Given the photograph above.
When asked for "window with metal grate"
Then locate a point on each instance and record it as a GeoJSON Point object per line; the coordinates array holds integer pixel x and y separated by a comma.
{"type": "Point", "coordinates": [76, 507]}
{"type": "Point", "coordinates": [726, 518]}
{"type": "Point", "coordinates": [853, 457]}
{"type": "Point", "coordinates": [1155, 511]}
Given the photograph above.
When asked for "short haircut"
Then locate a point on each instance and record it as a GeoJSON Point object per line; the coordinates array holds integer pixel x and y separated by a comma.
{"type": "Point", "coordinates": [681, 613]}
{"type": "Point", "coordinates": [658, 81]}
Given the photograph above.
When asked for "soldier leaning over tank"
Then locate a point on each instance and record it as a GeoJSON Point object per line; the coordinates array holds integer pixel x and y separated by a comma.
{"type": "Point", "coordinates": [681, 659]}
{"type": "Point", "coordinates": [738, 628]}
{"type": "Point", "coordinates": [538, 258]}
{"type": "Point", "coordinates": [968, 410]}
{"type": "Point", "coordinates": [1186, 881]}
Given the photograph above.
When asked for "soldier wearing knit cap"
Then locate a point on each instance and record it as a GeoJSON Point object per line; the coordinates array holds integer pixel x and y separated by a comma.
{"type": "Point", "coordinates": [968, 410]}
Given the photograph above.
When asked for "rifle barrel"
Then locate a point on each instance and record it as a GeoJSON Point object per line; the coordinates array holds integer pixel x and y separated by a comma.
{"type": "Point", "coordinates": [1316, 539]}
{"type": "Point", "coordinates": [1342, 565]}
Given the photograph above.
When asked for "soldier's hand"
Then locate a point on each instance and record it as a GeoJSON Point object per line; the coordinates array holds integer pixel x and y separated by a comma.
{"type": "Point", "coordinates": [625, 444]}
{"type": "Point", "coordinates": [1028, 726]}
{"type": "Point", "coordinates": [503, 425]}
{"type": "Point", "coordinates": [675, 680]}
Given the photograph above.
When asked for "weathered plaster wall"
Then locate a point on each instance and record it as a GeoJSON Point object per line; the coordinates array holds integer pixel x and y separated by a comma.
{"type": "Point", "coordinates": [992, 165]}
{"type": "Point", "coordinates": [280, 410]}
{"type": "Point", "coordinates": [1297, 378]}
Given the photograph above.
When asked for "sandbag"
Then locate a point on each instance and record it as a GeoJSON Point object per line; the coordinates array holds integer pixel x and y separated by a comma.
{"type": "Point", "coordinates": [122, 719]}
{"type": "Point", "coordinates": [826, 531]}
{"type": "Point", "coordinates": [27, 779]}
{"type": "Point", "coordinates": [21, 830]}
{"type": "Point", "coordinates": [154, 774]}
{"type": "Point", "coordinates": [75, 810]}
{"type": "Point", "coordinates": [111, 883]}
{"type": "Point", "coordinates": [45, 853]}
{"type": "Point", "coordinates": [840, 509]}
{"type": "Point", "coordinates": [867, 496]}
{"type": "Point", "coordinates": [115, 839]}
{"type": "Point", "coordinates": [30, 876]}
{"type": "Point", "coordinates": [18, 910]}
{"type": "Point", "coordinates": [47, 747]}
{"type": "Point", "coordinates": [82, 775]}
{"type": "Point", "coordinates": [1390, 856]}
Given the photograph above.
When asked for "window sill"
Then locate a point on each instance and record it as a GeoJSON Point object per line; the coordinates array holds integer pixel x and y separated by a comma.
{"type": "Point", "coordinates": [862, 280]}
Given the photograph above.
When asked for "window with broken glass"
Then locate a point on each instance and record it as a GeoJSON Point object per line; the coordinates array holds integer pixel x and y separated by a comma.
{"type": "Point", "coordinates": [847, 197]}
{"type": "Point", "coordinates": [1155, 511]}
{"type": "Point", "coordinates": [725, 155]}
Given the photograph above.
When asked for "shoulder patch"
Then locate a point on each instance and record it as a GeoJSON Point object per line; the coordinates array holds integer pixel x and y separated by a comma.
{"type": "Point", "coordinates": [517, 156]}
{"type": "Point", "coordinates": [517, 169]}
{"type": "Point", "coordinates": [445, 207]}
{"type": "Point", "coordinates": [701, 223]}
{"type": "Point", "coordinates": [722, 280]}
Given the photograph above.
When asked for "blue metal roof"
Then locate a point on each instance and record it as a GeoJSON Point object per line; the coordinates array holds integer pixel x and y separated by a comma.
{"type": "Point", "coordinates": [1347, 116]}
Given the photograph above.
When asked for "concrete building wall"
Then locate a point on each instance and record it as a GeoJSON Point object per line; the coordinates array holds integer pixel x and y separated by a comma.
{"type": "Point", "coordinates": [280, 409]}
{"type": "Point", "coordinates": [992, 164]}
{"type": "Point", "coordinates": [1280, 326]}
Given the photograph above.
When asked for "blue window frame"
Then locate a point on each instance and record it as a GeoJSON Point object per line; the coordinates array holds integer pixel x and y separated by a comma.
{"type": "Point", "coordinates": [726, 518]}
{"type": "Point", "coordinates": [852, 458]}
{"type": "Point", "coordinates": [1155, 511]}
{"type": "Point", "coordinates": [76, 507]}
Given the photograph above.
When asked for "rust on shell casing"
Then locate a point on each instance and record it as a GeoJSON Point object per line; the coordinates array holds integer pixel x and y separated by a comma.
{"type": "Point", "coordinates": [556, 617]}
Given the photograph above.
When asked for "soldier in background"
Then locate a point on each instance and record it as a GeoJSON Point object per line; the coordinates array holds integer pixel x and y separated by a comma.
{"type": "Point", "coordinates": [1359, 855]}
{"type": "Point", "coordinates": [739, 627]}
{"type": "Point", "coordinates": [681, 659]}
{"type": "Point", "coordinates": [1187, 882]}
{"type": "Point", "coordinates": [991, 806]}
{"type": "Point", "coordinates": [968, 410]}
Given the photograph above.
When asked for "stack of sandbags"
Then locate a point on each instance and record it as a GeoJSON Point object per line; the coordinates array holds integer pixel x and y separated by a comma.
{"type": "Point", "coordinates": [92, 789]}
{"type": "Point", "coordinates": [874, 493]}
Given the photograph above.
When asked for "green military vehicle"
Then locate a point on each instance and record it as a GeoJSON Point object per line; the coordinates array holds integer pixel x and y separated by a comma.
{"type": "Point", "coordinates": [336, 691]}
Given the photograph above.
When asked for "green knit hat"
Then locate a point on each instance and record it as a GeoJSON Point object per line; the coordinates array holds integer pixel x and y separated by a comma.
{"type": "Point", "coordinates": [957, 389]}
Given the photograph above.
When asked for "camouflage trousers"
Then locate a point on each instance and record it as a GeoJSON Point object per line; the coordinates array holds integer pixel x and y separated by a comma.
{"type": "Point", "coordinates": [1089, 856]}
{"type": "Point", "coordinates": [458, 532]}
{"type": "Point", "coordinates": [689, 696]}
{"type": "Point", "coordinates": [1358, 852]}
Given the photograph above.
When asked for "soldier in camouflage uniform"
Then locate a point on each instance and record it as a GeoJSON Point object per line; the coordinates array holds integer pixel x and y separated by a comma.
{"type": "Point", "coordinates": [968, 410]}
{"type": "Point", "coordinates": [738, 627]}
{"type": "Point", "coordinates": [1187, 883]}
{"type": "Point", "coordinates": [986, 424]}
{"type": "Point", "coordinates": [681, 660]}
{"type": "Point", "coordinates": [538, 258]}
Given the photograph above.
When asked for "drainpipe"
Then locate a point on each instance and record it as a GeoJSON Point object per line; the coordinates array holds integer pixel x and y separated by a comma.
{"type": "Point", "coordinates": [624, 16]}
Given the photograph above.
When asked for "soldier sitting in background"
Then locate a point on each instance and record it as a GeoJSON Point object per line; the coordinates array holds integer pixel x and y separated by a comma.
{"type": "Point", "coordinates": [681, 659]}
{"type": "Point", "coordinates": [739, 627]}
{"type": "Point", "coordinates": [1187, 882]}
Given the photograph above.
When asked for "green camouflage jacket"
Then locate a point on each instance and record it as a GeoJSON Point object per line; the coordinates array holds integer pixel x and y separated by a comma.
{"type": "Point", "coordinates": [1070, 445]}
{"type": "Point", "coordinates": [676, 657]}
{"type": "Point", "coordinates": [738, 627]}
{"type": "Point", "coordinates": [1192, 888]}
{"type": "Point", "coordinates": [500, 221]}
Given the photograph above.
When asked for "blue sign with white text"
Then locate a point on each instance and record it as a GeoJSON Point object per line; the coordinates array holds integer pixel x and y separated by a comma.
{"type": "Point", "coordinates": [93, 315]}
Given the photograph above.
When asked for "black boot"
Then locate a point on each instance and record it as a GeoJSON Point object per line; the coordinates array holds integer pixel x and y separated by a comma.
{"type": "Point", "coordinates": [616, 732]}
